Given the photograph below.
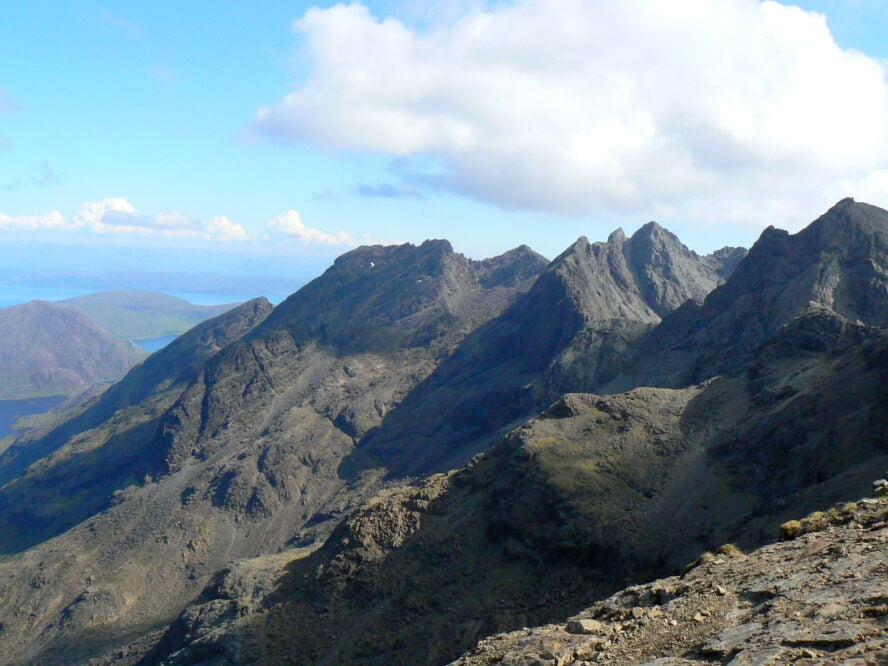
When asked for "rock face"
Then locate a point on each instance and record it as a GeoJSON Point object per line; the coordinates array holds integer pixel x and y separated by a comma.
{"type": "Point", "coordinates": [224, 454]}
{"type": "Point", "coordinates": [819, 599]}
{"type": "Point", "coordinates": [570, 331]}
{"type": "Point", "coordinates": [839, 262]}
{"type": "Point", "coordinates": [51, 350]}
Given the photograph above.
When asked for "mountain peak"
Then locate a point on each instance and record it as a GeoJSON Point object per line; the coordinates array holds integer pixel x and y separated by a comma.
{"type": "Point", "coordinates": [402, 293]}
{"type": "Point", "coordinates": [652, 233]}
{"type": "Point", "coordinates": [839, 262]}
{"type": "Point", "coordinates": [849, 227]}
{"type": "Point", "coordinates": [511, 268]}
{"type": "Point", "coordinates": [616, 237]}
{"type": "Point", "coordinates": [651, 229]}
{"type": "Point", "coordinates": [440, 244]}
{"type": "Point", "coordinates": [581, 244]}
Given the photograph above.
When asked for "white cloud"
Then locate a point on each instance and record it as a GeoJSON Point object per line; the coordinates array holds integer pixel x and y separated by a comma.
{"type": "Point", "coordinates": [874, 187]}
{"type": "Point", "coordinates": [578, 106]}
{"type": "Point", "coordinates": [119, 216]}
{"type": "Point", "coordinates": [221, 228]}
{"type": "Point", "coordinates": [290, 224]}
{"type": "Point", "coordinates": [51, 220]}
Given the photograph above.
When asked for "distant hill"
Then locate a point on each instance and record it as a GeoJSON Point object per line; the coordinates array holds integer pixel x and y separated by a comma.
{"type": "Point", "coordinates": [143, 314]}
{"type": "Point", "coordinates": [47, 349]}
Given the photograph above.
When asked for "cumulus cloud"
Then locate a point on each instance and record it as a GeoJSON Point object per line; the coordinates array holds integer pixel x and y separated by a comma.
{"type": "Point", "coordinates": [577, 106]}
{"type": "Point", "coordinates": [119, 216]}
{"type": "Point", "coordinates": [221, 228]}
{"type": "Point", "coordinates": [51, 220]}
{"type": "Point", "coordinates": [290, 224]}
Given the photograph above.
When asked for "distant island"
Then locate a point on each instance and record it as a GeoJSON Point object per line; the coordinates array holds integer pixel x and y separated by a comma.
{"type": "Point", "coordinates": [136, 315]}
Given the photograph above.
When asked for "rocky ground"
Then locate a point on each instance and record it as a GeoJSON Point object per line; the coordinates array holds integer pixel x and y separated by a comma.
{"type": "Point", "coordinates": [818, 597]}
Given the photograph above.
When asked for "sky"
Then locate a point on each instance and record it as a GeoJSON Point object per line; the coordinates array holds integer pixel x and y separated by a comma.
{"type": "Point", "coordinates": [277, 135]}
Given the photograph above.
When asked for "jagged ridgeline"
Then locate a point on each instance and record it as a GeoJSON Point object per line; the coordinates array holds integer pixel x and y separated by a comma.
{"type": "Point", "coordinates": [224, 444]}
{"type": "Point", "coordinates": [173, 518]}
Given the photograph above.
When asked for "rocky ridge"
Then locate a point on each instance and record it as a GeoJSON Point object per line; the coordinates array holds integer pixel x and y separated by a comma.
{"type": "Point", "coordinates": [595, 491]}
{"type": "Point", "coordinates": [232, 462]}
{"type": "Point", "coordinates": [572, 330]}
{"type": "Point", "coordinates": [839, 262]}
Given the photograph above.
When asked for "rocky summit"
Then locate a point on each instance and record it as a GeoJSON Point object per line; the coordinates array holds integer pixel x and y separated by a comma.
{"type": "Point", "coordinates": [840, 262]}
{"type": "Point", "coordinates": [571, 330]}
{"type": "Point", "coordinates": [418, 456]}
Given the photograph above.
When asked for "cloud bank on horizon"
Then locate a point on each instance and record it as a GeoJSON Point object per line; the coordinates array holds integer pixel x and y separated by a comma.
{"type": "Point", "coordinates": [117, 216]}
{"type": "Point", "coordinates": [704, 109]}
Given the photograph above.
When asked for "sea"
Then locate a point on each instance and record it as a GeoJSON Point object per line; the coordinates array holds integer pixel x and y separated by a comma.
{"type": "Point", "coordinates": [10, 410]}
{"type": "Point", "coordinates": [154, 344]}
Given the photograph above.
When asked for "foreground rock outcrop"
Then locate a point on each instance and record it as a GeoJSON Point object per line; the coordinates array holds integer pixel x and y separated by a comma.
{"type": "Point", "coordinates": [821, 598]}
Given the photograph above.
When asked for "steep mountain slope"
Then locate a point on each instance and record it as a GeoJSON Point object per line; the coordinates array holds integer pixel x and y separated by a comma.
{"type": "Point", "coordinates": [51, 350]}
{"type": "Point", "coordinates": [571, 331]}
{"type": "Point", "coordinates": [143, 314]}
{"type": "Point", "coordinates": [79, 463]}
{"type": "Point", "coordinates": [593, 492]}
{"type": "Point", "coordinates": [840, 261]}
{"type": "Point", "coordinates": [248, 451]}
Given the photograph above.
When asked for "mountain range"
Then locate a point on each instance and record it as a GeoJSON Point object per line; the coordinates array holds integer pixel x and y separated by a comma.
{"type": "Point", "coordinates": [417, 450]}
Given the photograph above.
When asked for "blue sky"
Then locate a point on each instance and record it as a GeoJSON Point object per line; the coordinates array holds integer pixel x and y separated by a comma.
{"type": "Point", "coordinates": [228, 128]}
